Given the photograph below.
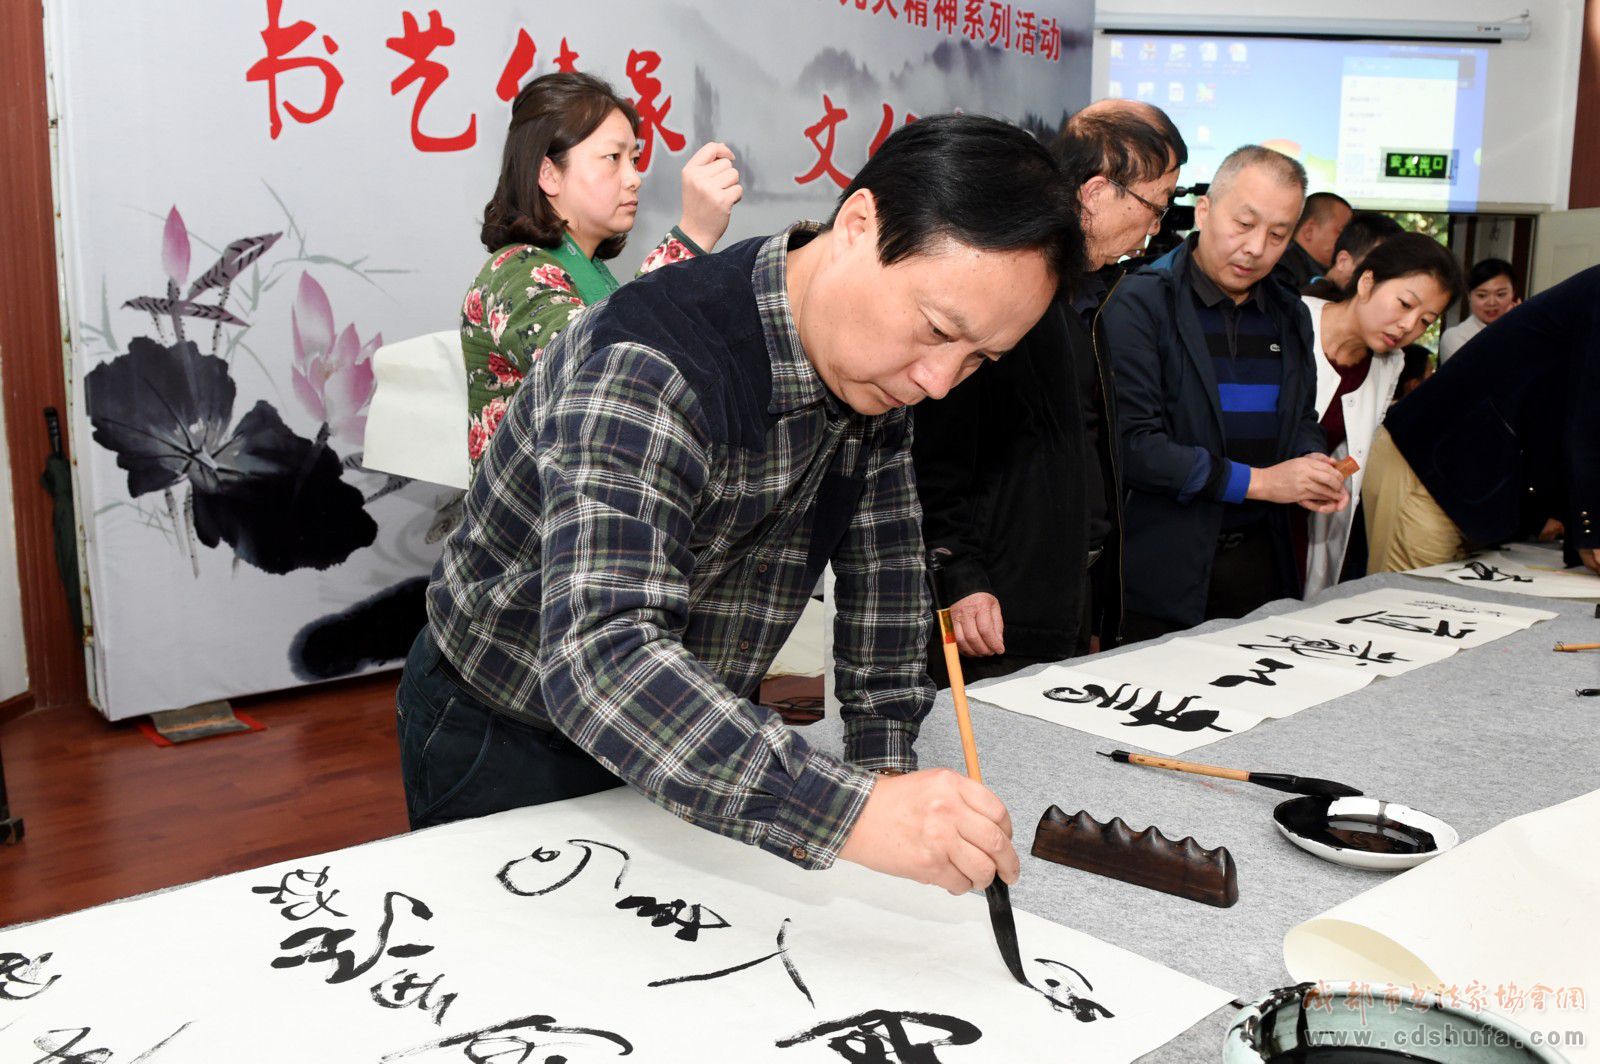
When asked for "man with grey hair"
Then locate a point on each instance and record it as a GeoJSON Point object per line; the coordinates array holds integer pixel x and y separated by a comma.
{"type": "Point", "coordinates": [1215, 388]}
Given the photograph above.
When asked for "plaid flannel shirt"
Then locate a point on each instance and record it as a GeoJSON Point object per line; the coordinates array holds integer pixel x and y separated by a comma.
{"type": "Point", "coordinates": [645, 529]}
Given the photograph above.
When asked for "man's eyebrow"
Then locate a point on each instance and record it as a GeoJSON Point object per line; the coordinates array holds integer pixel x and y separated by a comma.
{"type": "Point", "coordinates": [953, 317]}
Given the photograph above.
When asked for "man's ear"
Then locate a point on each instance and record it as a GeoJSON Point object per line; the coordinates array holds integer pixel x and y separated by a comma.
{"type": "Point", "coordinates": [856, 224]}
{"type": "Point", "coordinates": [1092, 189]}
{"type": "Point", "coordinates": [550, 177]}
{"type": "Point", "coordinates": [1202, 209]}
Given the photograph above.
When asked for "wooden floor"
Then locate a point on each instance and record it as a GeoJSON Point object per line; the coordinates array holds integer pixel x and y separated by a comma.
{"type": "Point", "coordinates": [109, 814]}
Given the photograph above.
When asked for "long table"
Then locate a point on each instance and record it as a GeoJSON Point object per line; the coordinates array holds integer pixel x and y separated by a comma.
{"type": "Point", "coordinates": [1486, 735]}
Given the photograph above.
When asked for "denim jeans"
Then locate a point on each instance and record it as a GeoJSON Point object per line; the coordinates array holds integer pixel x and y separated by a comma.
{"type": "Point", "coordinates": [459, 758]}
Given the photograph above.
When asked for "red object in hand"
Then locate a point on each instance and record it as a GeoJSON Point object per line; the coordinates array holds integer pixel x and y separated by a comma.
{"type": "Point", "coordinates": [1347, 467]}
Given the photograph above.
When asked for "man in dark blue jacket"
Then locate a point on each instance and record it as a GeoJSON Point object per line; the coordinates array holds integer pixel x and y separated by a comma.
{"type": "Point", "coordinates": [1510, 424]}
{"type": "Point", "coordinates": [1216, 389]}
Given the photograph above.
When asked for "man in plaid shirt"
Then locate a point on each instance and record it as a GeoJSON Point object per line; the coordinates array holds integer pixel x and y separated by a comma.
{"type": "Point", "coordinates": [666, 487]}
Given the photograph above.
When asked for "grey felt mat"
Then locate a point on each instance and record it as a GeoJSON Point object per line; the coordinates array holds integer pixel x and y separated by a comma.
{"type": "Point", "coordinates": [1481, 737]}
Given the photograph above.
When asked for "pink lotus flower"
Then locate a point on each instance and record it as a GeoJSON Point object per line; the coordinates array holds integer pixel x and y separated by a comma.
{"type": "Point", "coordinates": [551, 276]}
{"type": "Point", "coordinates": [332, 374]}
{"type": "Point", "coordinates": [175, 248]}
{"type": "Point", "coordinates": [480, 428]}
{"type": "Point", "coordinates": [473, 307]}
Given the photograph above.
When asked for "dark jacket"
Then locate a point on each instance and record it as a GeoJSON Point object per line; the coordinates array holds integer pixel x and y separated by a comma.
{"type": "Point", "coordinates": [1000, 471]}
{"type": "Point", "coordinates": [1167, 406]}
{"type": "Point", "coordinates": [1515, 410]}
{"type": "Point", "coordinates": [1297, 268]}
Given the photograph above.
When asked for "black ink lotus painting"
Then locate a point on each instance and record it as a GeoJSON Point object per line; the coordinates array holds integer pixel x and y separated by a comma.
{"type": "Point", "coordinates": [227, 512]}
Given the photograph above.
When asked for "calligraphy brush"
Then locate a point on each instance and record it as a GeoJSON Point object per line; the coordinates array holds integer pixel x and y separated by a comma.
{"type": "Point", "coordinates": [1568, 648]}
{"type": "Point", "coordinates": [1275, 780]}
{"type": "Point", "coordinates": [1001, 918]}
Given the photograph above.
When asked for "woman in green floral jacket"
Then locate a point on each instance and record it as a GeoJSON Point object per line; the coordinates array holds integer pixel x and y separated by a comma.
{"type": "Point", "coordinates": [567, 198]}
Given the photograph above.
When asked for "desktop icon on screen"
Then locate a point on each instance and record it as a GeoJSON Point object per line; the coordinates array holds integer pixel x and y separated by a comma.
{"type": "Point", "coordinates": [1208, 51]}
{"type": "Point", "coordinates": [1238, 53]}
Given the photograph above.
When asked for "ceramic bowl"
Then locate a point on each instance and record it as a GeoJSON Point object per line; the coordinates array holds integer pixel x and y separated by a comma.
{"type": "Point", "coordinates": [1288, 813]}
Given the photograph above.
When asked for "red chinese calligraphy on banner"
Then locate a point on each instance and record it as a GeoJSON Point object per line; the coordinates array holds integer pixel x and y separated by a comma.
{"type": "Point", "coordinates": [1026, 40]}
{"type": "Point", "coordinates": [280, 41]}
{"type": "Point", "coordinates": [517, 67]}
{"type": "Point", "coordinates": [885, 127]}
{"type": "Point", "coordinates": [1000, 24]}
{"type": "Point", "coordinates": [824, 132]}
{"type": "Point", "coordinates": [417, 45]}
{"type": "Point", "coordinates": [1050, 39]}
{"type": "Point", "coordinates": [566, 59]}
{"type": "Point", "coordinates": [991, 23]}
{"type": "Point", "coordinates": [821, 135]}
{"type": "Point", "coordinates": [652, 116]}
{"type": "Point", "coordinates": [972, 22]}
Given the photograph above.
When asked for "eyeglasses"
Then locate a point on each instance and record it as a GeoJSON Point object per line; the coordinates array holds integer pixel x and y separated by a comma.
{"type": "Point", "coordinates": [1155, 209]}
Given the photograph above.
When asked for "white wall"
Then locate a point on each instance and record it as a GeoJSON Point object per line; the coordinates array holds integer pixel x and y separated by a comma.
{"type": "Point", "coordinates": [1533, 84]}
{"type": "Point", "coordinates": [13, 664]}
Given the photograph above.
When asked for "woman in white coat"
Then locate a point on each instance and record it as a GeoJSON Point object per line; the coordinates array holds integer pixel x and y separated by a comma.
{"type": "Point", "coordinates": [1402, 287]}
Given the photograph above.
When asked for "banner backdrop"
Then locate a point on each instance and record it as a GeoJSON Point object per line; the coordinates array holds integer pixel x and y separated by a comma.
{"type": "Point", "coordinates": [256, 195]}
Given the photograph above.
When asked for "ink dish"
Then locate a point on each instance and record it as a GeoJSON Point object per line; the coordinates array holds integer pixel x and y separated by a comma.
{"type": "Point", "coordinates": [1364, 832]}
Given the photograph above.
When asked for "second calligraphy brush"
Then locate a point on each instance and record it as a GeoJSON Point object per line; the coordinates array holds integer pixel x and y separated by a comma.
{"type": "Point", "coordinates": [1569, 648]}
{"type": "Point", "coordinates": [1275, 780]}
{"type": "Point", "coordinates": [1001, 918]}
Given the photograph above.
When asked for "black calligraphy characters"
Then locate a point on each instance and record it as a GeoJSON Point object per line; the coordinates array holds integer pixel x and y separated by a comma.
{"type": "Point", "coordinates": [1480, 572]}
{"type": "Point", "coordinates": [1062, 989]}
{"type": "Point", "coordinates": [22, 977]}
{"type": "Point", "coordinates": [1409, 622]}
{"type": "Point", "coordinates": [1127, 699]}
{"type": "Point", "coordinates": [781, 953]}
{"type": "Point", "coordinates": [526, 876]}
{"type": "Point", "coordinates": [528, 1038]}
{"type": "Point", "coordinates": [880, 1036]}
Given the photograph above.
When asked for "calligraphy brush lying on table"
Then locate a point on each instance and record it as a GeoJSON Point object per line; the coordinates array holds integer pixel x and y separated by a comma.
{"type": "Point", "coordinates": [1275, 780]}
{"type": "Point", "coordinates": [1001, 918]}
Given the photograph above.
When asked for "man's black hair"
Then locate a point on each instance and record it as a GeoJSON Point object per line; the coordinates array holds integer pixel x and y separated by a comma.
{"type": "Point", "coordinates": [1415, 367]}
{"type": "Point", "coordinates": [973, 180]}
{"type": "Point", "coordinates": [1364, 231]}
{"type": "Point", "coordinates": [1320, 205]}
